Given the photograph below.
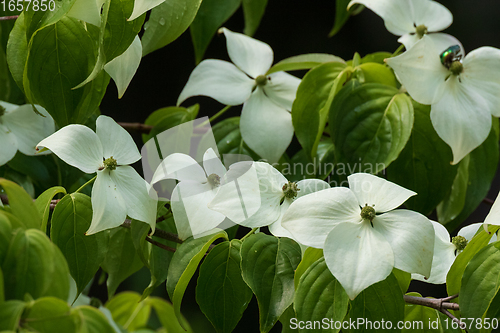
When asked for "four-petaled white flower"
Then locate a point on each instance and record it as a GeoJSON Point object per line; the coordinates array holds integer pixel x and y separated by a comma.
{"type": "Point", "coordinates": [411, 19]}
{"type": "Point", "coordinates": [267, 99]}
{"type": "Point", "coordinates": [118, 190]}
{"type": "Point", "coordinates": [21, 129]}
{"type": "Point", "coordinates": [361, 245]}
{"type": "Point", "coordinates": [445, 251]}
{"type": "Point", "coordinates": [463, 96]}
{"type": "Point", "coordinates": [197, 187]}
{"type": "Point", "coordinates": [256, 195]}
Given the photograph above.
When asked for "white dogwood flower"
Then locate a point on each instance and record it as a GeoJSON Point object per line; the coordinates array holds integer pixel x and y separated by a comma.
{"type": "Point", "coordinates": [267, 99]}
{"type": "Point", "coordinates": [363, 238]}
{"type": "Point", "coordinates": [256, 195]}
{"type": "Point", "coordinates": [463, 94]}
{"type": "Point", "coordinates": [411, 19]}
{"type": "Point", "coordinates": [445, 251]}
{"type": "Point", "coordinates": [21, 129]}
{"type": "Point", "coordinates": [118, 190]}
{"type": "Point", "coordinates": [196, 188]}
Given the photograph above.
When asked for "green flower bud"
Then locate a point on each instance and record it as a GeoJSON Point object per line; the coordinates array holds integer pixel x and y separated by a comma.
{"type": "Point", "coordinates": [421, 30]}
{"type": "Point", "coordinates": [261, 80]}
{"type": "Point", "coordinates": [460, 242]}
{"type": "Point", "coordinates": [368, 213]}
{"type": "Point", "coordinates": [213, 180]}
{"type": "Point", "coordinates": [290, 190]}
{"type": "Point", "coordinates": [110, 163]}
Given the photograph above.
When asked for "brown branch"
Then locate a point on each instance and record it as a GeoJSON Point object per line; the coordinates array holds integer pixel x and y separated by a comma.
{"type": "Point", "coordinates": [53, 203]}
{"type": "Point", "coordinates": [488, 201]}
{"type": "Point", "coordinates": [8, 18]}
{"type": "Point", "coordinates": [165, 247]}
{"type": "Point", "coordinates": [158, 233]}
{"type": "Point", "coordinates": [136, 127]}
{"type": "Point", "coordinates": [440, 304]}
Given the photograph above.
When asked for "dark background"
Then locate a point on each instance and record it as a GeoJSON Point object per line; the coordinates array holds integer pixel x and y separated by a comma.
{"type": "Point", "coordinates": [290, 27]}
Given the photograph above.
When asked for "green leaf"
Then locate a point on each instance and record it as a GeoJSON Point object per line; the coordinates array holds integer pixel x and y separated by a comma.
{"type": "Point", "coordinates": [42, 203]}
{"type": "Point", "coordinates": [370, 72]}
{"type": "Point", "coordinates": [377, 57]}
{"type": "Point", "coordinates": [37, 19]}
{"type": "Point", "coordinates": [341, 15]}
{"type": "Point", "coordinates": [10, 314]}
{"type": "Point", "coordinates": [21, 204]}
{"type": "Point", "coordinates": [424, 165]}
{"type": "Point", "coordinates": [479, 241]}
{"type": "Point", "coordinates": [167, 22]}
{"type": "Point", "coordinates": [403, 278]}
{"type": "Point", "coordinates": [184, 264]}
{"type": "Point", "coordinates": [166, 118]}
{"type": "Point", "coordinates": [304, 61]}
{"type": "Point", "coordinates": [128, 311]}
{"type": "Point", "coordinates": [121, 259]}
{"type": "Point", "coordinates": [286, 319]}
{"type": "Point", "coordinates": [381, 301]}
{"type": "Point", "coordinates": [48, 315]}
{"type": "Point", "coordinates": [477, 178]}
{"type": "Point", "coordinates": [253, 10]}
{"type": "Point", "coordinates": [84, 254]}
{"type": "Point", "coordinates": [312, 103]}
{"type": "Point", "coordinates": [61, 56]}
{"type": "Point", "coordinates": [92, 320]}
{"type": "Point", "coordinates": [5, 235]}
{"type": "Point", "coordinates": [319, 295]}
{"type": "Point", "coordinates": [322, 165]}
{"type": "Point", "coordinates": [268, 264]}
{"type": "Point", "coordinates": [17, 51]}
{"type": "Point", "coordinates": [166, 315]}
{"type": "Point", "coordinates": [221, 292]}
{"type": "Point", "coordinates": [211, 16]}
{"type": "Point", "coordinates": [34, 265]}
{"type": "Point", "coordinates": [310, 256]}
{"type": "Point", "coordinates": [370, 125]}
{"type": "Point", "coordinates": [480, 284]}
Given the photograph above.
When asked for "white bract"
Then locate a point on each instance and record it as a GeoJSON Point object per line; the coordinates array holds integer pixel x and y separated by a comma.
{"type": "Point", "coordinates": [463, 96]}
{"type": "Point", "coordinates": [493, 216]}
{"type": "Point", "coordinates": [361, 235]}
{"type": "Point", "coordinates": [197, 187]}
{"type": "Point", "coordinates": [118, 190]}
{"type": "Point", "coordinates": [21, 129]}
{"type": "Point", "coordinates": [411, 19]}
{"type": "Point", "coordinates": [256, 195]}
{"type": "Point", "coordinates": [267, 99]}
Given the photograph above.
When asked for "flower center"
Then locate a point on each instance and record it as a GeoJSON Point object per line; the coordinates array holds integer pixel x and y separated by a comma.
{"type": "Point", "coordinates": [421, 30]}
{"type": "Point", "coordinates": [213, 180]}
{"type": "Point", "coordinates": [460, 242]}
{"type": "Point", "coordinates": [261, 80]}
{"type": "Point", "coordinates": [110, 163]}
{"type": "Point", "coordinates": [456, 68]}
{"type": "Point", "coordinates": [290, 190]}
{"type": "Point", "coordinates": [368, 213]}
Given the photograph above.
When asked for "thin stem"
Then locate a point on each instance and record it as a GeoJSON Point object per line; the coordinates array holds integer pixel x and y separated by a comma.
{"type": "Point", "coordinates": [215, 116]}
{"type": "Point", "coordinates": [488, 201]}
{"type": "Point", "coordinates": [165, 247]}
{"type": "Point", "coordinates": [87, 183]}
{"type": "Point", "coordinates": [158, 233]}
{"type": "Point", "coordinates": [8, 18]}
{"type": "Point", "coordinates": [398, 50]}
{"type": "Point", "coordinates": [440, 304]}
{"type": "Point", "coordinates": [136, 127]}
{"type": "Point", "coordinates": [251, 232]}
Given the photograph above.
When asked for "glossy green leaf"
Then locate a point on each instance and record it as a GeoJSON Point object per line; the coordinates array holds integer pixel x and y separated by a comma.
{"type": "Point", "coordinates": [43, 202]}
{"type": "Point", "coordinates": [377, 57]}
{"type": "Point", "coordinates": [128, 311]}
{"type": "Point", "coordinates": [167, 22]}
{"type": "Point", "coordinates": [49, 315]}
{"type": "Point", "coordinates": [211, 16]}
{"type": "Point", "coordinates": [268, 264]}
{"type": "Point", "coordinates": [480, 284]}
{"type": "Point", "coordinates": [479, 241]}
{"type": "Point", "coordinates": [424, 165]}
{"type": "Point", "coordinates": [310, 256]}
{"type": "Point", "coordinates": [404, 279]}
{"type": "Point", "coordinates": [5, 235]}
{"type": "Point", "coordinates": [322, 165]}
{"type": "Point", "coordinates": [21, 204]}
{"type": "Point", "coordinates": [370, 72]}
{"type": "Point", "coordinates": [312, 104]}
{"type": "Point", "coordinates": [10, 222]}
{"type": "Point", "coordinates": [221, 292]}
{"type": "Point", "coordinates": [383, 300]}
{"type": "Point", "coordinates": [341, 15]}
{"type": "Point", "coordinates": [35, 266]}
{"type": "Point", "coordinates": [166, 118]}
{"type": "Point", "coordinates": [253, 10]}
{"type": "Point", "coordinates": [370, 125]}
{"type": "Point", "coordinates": [84, 254]}
{"type": "Point", "coordinates": [184, 264]}
{"type": "Point", "coordinates": [61, 56]}
{"type": "Point", "coordinates": [166, 315]}
{"type": "Point", "coordinates": [286, 319]}
{"type": "Point", "coordinates": [38, 19]}
{"type": "Point", "coordinates": [121, 259]}
{"type": "Point", "coordinates": [10, 314]}
{"type": "Point", "coordinates": [17, 51]}
{"type": "Point", "coordinates": [319, 295]}
{"type": "Point", "coordinates": [476, 177]}
{"type": "Point", "coordinates": [92, 320]}
{"type": "Point", "coordinates": [304, 61]}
